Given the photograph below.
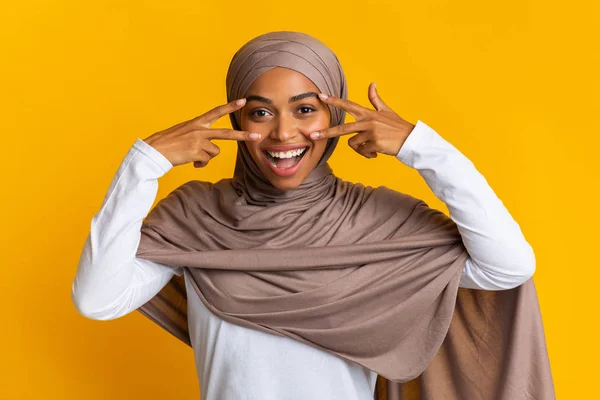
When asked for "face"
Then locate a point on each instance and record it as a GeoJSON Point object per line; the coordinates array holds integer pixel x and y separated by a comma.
{"type": "Point", "coordinates": [282, 105]}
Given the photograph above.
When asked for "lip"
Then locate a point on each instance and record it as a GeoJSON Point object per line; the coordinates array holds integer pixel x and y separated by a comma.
{"type": "Point", "coordinates": [286, 171]}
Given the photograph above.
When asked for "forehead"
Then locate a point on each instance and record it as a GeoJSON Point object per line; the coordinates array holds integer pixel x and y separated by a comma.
{"type": "Point", "coordinates": [281, 83]}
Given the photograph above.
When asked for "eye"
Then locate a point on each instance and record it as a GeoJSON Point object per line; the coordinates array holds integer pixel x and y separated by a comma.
{"type": "Point", "coordinates": [254, 113]}
{"type": "Point", "coordinates": [310, 109]}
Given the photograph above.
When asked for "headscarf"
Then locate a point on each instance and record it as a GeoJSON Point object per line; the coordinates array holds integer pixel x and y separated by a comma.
{"type": "Point", "coordinates": [368, 274]}
{"type": "Point", "coordinates": [299, 52]}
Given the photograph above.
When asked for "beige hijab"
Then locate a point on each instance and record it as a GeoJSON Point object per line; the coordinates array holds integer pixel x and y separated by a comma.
{"type": "Point", "coordinates": [368, 274]}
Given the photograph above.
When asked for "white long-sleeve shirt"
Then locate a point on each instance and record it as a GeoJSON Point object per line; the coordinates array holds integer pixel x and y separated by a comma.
{"type": "Point", "coordinates": [235, 362]}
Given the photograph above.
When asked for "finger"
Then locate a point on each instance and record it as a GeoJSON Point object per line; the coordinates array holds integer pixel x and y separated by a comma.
{"type": "Point", "coordinates": [357, 140]}
{"type": "Point", "coordinates": [344, 129]}
{"type": "Point", "coordinates": [202, 158]}
{"type": "Point", "coordinates": [376, 100]}
{"type": "Point", "coordinates": [356, 110]}
{"type": "Point", "coordinates": [367, 149]}
{"type": "Point", "coordinates": [230, 134]}
{"type": "Point", "coordinates": [200, 164]}
{"type": "Point", "coordinates": [175, 127]}
{"type": "Point", "coordinates": [212, 149]}
{"type": "Point", "coordinates": [220, 111]}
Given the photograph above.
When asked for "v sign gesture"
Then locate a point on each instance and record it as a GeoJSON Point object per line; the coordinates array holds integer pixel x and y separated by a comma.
{"type": "Point", "coordinates": [190, 141]}
{"type": "Point", "coordinates": [379, 131]}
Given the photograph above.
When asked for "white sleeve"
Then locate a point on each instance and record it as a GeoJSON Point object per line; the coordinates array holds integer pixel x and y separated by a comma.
{"type": "Point", "coordinates": [110, 280]}
{"type": "Point", "coordinates": [500, 257]}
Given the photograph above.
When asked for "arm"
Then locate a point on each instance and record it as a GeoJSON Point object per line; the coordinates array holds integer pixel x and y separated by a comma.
{"type": "Point", "coordinates": [500, 257]}
{"type": "Point", "coordinates": [110, 281]}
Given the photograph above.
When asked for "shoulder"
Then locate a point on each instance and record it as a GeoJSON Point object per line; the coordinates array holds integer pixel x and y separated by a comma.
{"type": "Point", "coordinates": [381, 198]}
{"type": "Point", "coordinates": [191, 192]}
{"type": "Point", "coordinates": [197, 189]}
{"type": "Point", "coordinates": [383, 195]}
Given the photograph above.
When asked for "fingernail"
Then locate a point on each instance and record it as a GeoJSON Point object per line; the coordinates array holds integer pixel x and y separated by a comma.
{"type": "Point", "coordinates": [254, 135]}
{"type": "Point", "coordinates": [240, 102]}
{"type": "Point", "coordinates": [315, 135]}
{"type": "Point", "coordinates": [323, 96]}
{"type": "Point", "coordinates": [374, 85]}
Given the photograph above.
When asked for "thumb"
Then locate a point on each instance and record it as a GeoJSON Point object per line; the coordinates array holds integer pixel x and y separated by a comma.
{"type": "Point", "coordinates": [376, 100]}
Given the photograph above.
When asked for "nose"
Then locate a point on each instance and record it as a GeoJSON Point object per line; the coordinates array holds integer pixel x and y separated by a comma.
{"type": "Point", "coordinates": [285, 129]}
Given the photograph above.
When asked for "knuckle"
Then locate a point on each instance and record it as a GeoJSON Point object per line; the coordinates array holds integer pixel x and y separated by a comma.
{"type": "Point", "coordinates": [196, 143]}
{"type": "Point", "coordinates": [204, 156]}
{"type": "Point", "coordinates": [375, 127]}
{"type": "Point", "coordinates": [198, 122]}
{"type": "Point", "coordinates": [195, 135]}
{"type": "Point", "coordinates": [367, 115]}
{"type": "Point", "coordinates": [225, 134]}
{"type": "Point", "coordinates": [214, 150]}
{"type": "Point", "coordinates": [358, 143]}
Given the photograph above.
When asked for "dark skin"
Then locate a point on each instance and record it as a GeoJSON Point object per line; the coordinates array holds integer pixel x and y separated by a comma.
{"type": "Point", "coordinates": [191, 141]}
{"type": "Point", "coordinates": [273, 117]}
{"type": "Point", "coordinates": [379, 131]}
{"type": "Point", "coordinates": [284, 122]}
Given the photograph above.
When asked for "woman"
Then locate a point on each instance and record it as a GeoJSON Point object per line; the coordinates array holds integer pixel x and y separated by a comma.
{"type": "Point", "coordinates": [300, 285]}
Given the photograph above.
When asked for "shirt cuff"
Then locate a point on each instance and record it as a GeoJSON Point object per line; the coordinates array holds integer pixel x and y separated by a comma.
{"type": "Point", "coordinates": [411, 145]}
{"type": "Point", "coordinates": [155, 155]}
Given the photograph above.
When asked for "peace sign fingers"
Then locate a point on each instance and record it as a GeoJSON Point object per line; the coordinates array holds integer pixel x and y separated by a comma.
{"type": "Point", "coordinates": [211, 116]}
{"type": "Point", "coordinates": [378, 131]}
{"type": "Point", "coordinates": [344, 129]}
{"type": "Point", "coordinates": [356, 110]}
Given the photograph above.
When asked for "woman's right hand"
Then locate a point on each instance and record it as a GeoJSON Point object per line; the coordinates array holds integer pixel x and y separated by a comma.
{"type": "Point", "coordinates": [190, 141]}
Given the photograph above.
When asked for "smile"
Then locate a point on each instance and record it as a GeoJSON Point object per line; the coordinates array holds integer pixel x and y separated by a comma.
{"type": "Point", "coordinates": [285, 163]}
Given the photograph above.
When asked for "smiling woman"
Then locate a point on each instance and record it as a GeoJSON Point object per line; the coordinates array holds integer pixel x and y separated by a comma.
{"type": "Point", "coordinates": [291, 283]}
{"type": "Point", "coordinates": [283, 106]}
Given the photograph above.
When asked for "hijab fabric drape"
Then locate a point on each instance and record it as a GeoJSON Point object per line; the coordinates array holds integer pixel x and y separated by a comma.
{"type": "Point", "coordinates": [368, 274]}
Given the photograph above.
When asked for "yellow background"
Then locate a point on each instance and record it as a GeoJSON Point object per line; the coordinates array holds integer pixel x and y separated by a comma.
{"type": "Point", "coordinates": [512, 84]}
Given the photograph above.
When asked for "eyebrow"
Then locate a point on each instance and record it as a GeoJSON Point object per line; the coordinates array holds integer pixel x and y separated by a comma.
{"type": "Point", "coordinates": [291, 99]}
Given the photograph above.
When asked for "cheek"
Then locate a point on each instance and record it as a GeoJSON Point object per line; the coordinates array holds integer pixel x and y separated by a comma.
{"type": "Point", "coordinates": [254, 149]}
{"type": "Point", "coordinates": [316, 124]}
{"type": "Point", "coordinates": [319, 148]}
{"type": "Point", "coordinates": [313, 125]}
{"type": "Point", "coordinates": [247, 124]}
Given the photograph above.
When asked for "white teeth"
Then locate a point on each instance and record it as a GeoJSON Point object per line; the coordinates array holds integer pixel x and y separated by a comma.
{"type": "Point", "coordinates": [287, 154]}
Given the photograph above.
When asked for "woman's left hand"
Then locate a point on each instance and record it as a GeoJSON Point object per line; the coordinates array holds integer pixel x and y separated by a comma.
{"type": "Point", "coordinates": [379, 131]}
